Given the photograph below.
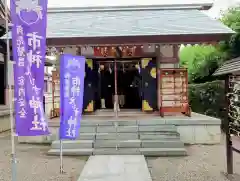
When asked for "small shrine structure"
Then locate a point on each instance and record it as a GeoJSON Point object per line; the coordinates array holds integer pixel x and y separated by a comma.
{"type": "Point", "coordinates": [139, 44]}
{"type": "Point", "coordinates": [145, 37]}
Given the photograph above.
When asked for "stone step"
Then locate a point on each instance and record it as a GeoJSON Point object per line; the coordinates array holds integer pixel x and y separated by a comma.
{"type": "Point", "coordinates": [133, 129]}
{"type": "Point", "coordinates": [88, 129]}
{"type": "Point", "coordinates": [114, 151]}
{"type": "Point", "coordinates": [86, 136]}
{"type": "Point", "coordinates": [119, 129]}
{"type": "Point", "coordinates": [163, 152]}
{"type": "Point", "coordinates": [157, 128]}
{"type": "Point", "coordinates": [156, 136]}
{"type": "Point", "coordinates": [162, 144]}
{"type": "Point", "coordinates": [128, 136]}
{"type": "Point", "coordinates": [79, 144]}
{"type": "Point", "coordinates": [118, 136]}
{"type": "Point", "coordinates": [73, 144]}
{"type": "Point", "coordinates": [120, 144]}
{"type": "Point", "coordinates": [160, 133]}
{"type": "Point", "coordinates": [121, 151]}
{"type": "Point", "coordinates": [109, 123]}
{"type": "Point", "coordinates": [89, 134]}
{"type": "Point", "coordinates": [71, 152]}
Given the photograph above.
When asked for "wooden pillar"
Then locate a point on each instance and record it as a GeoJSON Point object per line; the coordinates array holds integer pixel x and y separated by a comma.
{"type": "Point", "coordinates": [6, 90]}
{"type": "Point", "coordinates": [158, 59]}
{"type": "Point", "coordinates": [176, 49]}
{"type": "Point", "coordinates": [229, 148]}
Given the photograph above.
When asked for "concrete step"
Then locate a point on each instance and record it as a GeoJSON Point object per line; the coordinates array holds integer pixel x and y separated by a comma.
{"type": "Point", "coordinates": [163, 151]}
{"type": "Point", "coordinates": [86, 136]}
{"type": "Point", "coordinates": [118, 136]}
{"type": "Point", "coordinates": [157, 128]}
{"type": "Point", "coordinates": [108, 123]}
{"type": "Point", "coordinates": [114, 151]}
{"type": "Point", "coordinates": [162, 144]}
{"type": "Point", "coordinates": [73, 144]}
{"type": "Point", "coordinates": [134, 129]}
{"type": "Point", "coordinates": [119, 129]}
{"type": "Point", "coordinates": [128, 136]}
{"type": "Point", "coordinates": [121, 151]}
{"type": "Point", "coordinates": [71, 152]}
{"type": "Point", "coordinates": [160, 133]}
{"type": "Point", "coordinates": [158, 136]}
{"type": "Point", "coordinates": [120, 144]}
{"type": "Point", "coordinates": [88, 129]}
{"type": "Point", "coordinates": [79, 144]}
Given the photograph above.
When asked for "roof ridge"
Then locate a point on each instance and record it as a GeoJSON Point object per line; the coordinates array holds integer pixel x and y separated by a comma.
{"type": "Point", "coordinates": [202, 6]}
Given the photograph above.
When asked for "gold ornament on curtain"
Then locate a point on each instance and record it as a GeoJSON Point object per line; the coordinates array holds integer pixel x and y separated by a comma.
{"type": "Point", "coordinates": [90, 63]}
{"type": "Point", "coordinates": [153, 73]}
{"type": "Point", "coordinates": [145, 62]}
{"type": "Point", "coordinates": [146, 106]}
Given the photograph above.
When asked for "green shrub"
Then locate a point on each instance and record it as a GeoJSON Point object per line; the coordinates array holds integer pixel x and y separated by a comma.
{"type": "Point", "coordinates": [208, 98]}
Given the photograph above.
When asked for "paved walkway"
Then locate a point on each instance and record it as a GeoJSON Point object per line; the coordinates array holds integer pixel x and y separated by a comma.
{"type": "Point", "coordinates": [116, 168]}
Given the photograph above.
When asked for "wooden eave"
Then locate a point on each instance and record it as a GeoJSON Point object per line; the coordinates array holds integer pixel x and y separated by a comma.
{"type": "Point", "coordinates": [157, 39]}
{"type": "Point", "coordinates": [228, 67]}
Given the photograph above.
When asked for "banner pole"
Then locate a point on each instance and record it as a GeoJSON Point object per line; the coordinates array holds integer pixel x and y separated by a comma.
{"type": "Point", "coordinates": [10, 98]}
{"type": "Point", "coordinates": [61, 157]}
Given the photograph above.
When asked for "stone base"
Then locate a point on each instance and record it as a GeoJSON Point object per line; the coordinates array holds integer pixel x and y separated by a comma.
{"type": "Point", "coordinates": [198, 129]}
{"type": "Point", "coordinates": [109, 168]}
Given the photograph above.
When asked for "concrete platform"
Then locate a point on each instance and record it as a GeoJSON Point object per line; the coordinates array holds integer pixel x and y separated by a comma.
{"type": "Point", "coordinates": [116, 168]}
{"type": "Point", "coordinates": [197, 129]}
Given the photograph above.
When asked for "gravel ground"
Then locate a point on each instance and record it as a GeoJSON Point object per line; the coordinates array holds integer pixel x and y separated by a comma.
{"type": "Point", "coordinates": [34, 165]}
{"type": "Point", "coordinates": [205, 163]}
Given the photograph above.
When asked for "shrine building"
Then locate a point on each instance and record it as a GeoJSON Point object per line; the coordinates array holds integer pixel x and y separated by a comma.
{"type": "Point", "coordinates": [131, 52]}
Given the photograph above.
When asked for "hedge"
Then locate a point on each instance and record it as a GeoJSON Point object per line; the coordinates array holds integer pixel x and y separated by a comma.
{"type": "Point", "coordinates": [208, 98]}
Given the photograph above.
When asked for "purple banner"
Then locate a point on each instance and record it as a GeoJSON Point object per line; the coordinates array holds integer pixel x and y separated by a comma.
{"type": "Point", "coordinates": [29, 49]}
{"type": "Point", "coordinates": [72, 71]}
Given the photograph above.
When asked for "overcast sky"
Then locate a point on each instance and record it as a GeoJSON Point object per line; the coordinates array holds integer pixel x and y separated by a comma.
{"type": "Point", "coordinates": [218, 4]}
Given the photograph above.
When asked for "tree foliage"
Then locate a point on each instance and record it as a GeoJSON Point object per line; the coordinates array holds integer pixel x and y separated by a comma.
{"type": "Point", "coordinates": [208, 98]}
{"type": "Point", "coordinates": [231, 18]}
{"type": "Point", "coordinates": [202, 61]}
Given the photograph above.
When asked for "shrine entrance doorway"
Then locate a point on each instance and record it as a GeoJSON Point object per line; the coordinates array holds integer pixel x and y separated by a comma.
{"type": "Point", "coordinates": [121, 77]}
{"type": "Point", "coordinates": [129, 84]}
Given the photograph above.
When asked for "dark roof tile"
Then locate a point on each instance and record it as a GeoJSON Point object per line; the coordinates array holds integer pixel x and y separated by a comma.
{"type": "Point", "coordinates": [131, 21]}
{"type": "Point", "coordinates": [228, 67]}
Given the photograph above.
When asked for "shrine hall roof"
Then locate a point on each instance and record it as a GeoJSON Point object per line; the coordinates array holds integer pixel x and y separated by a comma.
{"type": "Point", "coordinates": [131, 21]}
